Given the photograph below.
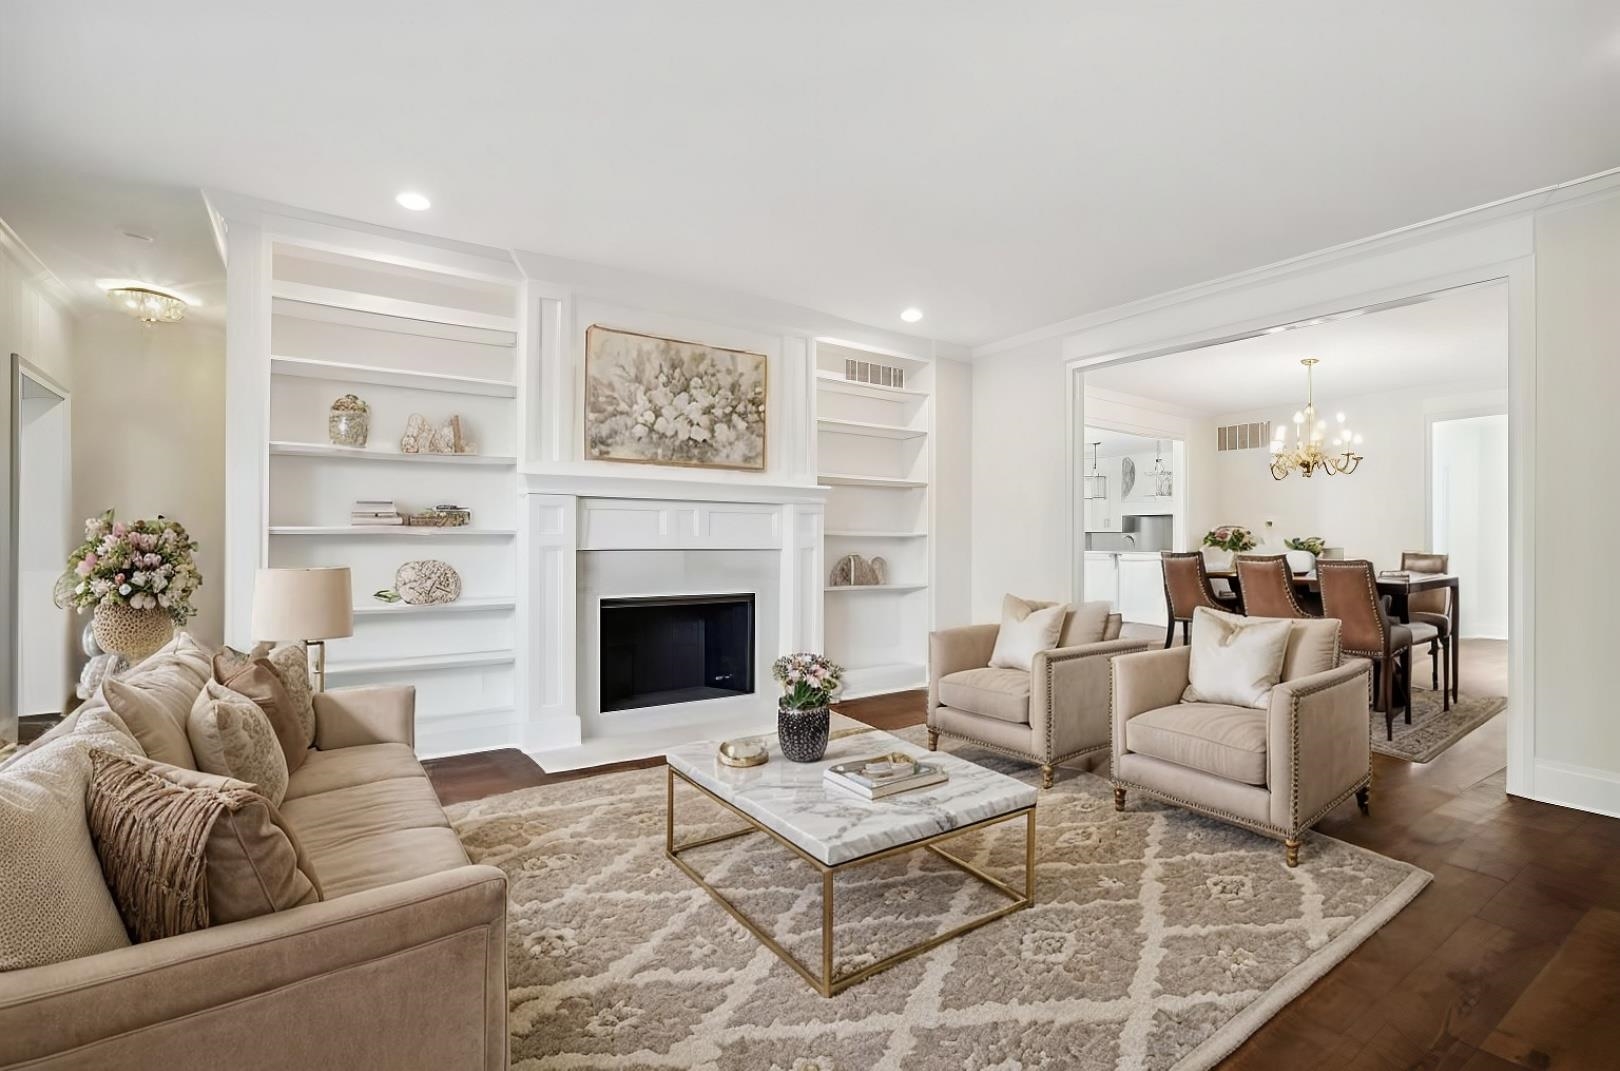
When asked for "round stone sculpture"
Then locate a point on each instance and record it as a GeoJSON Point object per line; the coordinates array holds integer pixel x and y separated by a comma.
{"type": "Point", "coordinates": [427, 582]}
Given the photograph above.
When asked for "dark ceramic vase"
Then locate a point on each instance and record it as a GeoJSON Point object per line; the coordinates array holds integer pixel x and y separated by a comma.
{"type": "Point", "coordinates": [802, 733]}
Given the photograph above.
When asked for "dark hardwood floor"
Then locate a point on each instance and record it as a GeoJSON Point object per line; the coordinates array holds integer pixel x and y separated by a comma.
{"type": "Point", "coordinates": [1509, 959]}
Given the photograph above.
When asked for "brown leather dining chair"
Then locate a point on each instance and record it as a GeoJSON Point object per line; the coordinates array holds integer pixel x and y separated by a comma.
{"type": "Point", "coordinates": [1350, 593]}
{"type": "Point", "coordinates": [1434, 608]}
{"type": "Point", "coordinates": [1186, 588]}
{"type": "Point", "coordinates": [1266, 586]}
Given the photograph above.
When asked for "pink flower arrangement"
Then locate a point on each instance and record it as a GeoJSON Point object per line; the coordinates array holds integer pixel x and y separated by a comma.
{"type": "Point", "coordinates": [809, 681]}
{"type": "Point", "coordinates": [146, 565]}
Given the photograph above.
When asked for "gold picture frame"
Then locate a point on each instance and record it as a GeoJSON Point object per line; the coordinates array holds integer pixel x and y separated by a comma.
{"type": "Point", "coordinates": [651, 400]}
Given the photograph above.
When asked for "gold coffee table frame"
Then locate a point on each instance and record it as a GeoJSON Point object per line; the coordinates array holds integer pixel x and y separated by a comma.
{"type": "Point", "coordinates": [825, 983]}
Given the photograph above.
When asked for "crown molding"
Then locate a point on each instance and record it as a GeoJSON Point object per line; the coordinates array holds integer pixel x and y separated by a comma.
{"type": "Point", "coordinates": [35, 273]}
{"type": "Point", "coordinates": [1560, 195]}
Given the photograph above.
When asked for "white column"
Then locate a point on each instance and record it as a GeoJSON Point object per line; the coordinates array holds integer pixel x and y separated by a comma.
{"type": "Point", "coordinates": [550, 712]}
{"type": "Point", "coordinates": [247, 422]}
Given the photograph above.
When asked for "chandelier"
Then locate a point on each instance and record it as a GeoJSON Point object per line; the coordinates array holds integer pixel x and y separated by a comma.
{"type": "Point", "coordinates": [1095, 485]}
{"type": "Point", "coordinates": [148, 306]}
{"type": "Point", "coordinates": [1310, 449]}
{"type": "Point", "coordinates": [1161, 476]}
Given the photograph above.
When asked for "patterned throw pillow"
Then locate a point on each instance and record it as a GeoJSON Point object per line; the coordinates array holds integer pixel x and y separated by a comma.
{"type": "Point", "coordinates": [291, 663]}
{"type": "Point", "coordinates": [231, 737]}
{"type": "Point", "coordinates": [182, 850]}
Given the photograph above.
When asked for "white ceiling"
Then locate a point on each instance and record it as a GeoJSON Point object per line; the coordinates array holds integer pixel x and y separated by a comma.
{"type": "Point", "coordinates": [999, 166]}
{"type": "Point", "coordinates": [1458, 342]}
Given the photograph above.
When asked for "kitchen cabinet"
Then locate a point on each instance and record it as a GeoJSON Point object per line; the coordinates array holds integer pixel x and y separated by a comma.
{"type": "Point", "coordinates": [1102, 577]}
{"type": "Point", "coordinates": [1141, 589]}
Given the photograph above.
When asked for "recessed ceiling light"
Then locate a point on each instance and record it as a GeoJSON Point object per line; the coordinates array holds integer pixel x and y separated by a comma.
{"type": "Point", "coordinates": [911, 315]}
{"type": "Point", "coordinates": [416, 202]}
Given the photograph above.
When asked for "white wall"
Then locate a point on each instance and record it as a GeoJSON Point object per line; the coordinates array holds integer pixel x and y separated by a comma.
{"type": "Point", "coordinates": [1577, 379]}
{"type": "Point", "coordinates": [1376, 513]}
{"type": "Point", "coordinates": [149, 436]}
{"type": "Point", "coordinates": [1469, 513]}
{"type": "Point", "coordinates": [36, 323]}
{"type": "Point", "coordinates": [1020, 475]}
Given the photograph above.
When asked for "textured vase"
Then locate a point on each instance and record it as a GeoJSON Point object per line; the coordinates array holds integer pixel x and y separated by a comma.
{"type": "Point", "coordinates": [130, 632]}
{"type": "Point", "coordinates": [802, 734]}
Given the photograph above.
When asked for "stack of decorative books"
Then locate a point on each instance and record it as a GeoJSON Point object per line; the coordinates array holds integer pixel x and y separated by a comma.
{"type": "Point", "coordinates": [369, 511]}
{"type": "Point", "coordinates": [883, 775]}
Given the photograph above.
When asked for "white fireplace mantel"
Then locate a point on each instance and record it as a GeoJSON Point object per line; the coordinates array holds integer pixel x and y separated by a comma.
{"type": "Point", "coordinates": [583, 510]}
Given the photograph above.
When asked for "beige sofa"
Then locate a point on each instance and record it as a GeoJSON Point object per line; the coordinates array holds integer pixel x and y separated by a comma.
{"type": "Point", "coordinates": [1276, 770]}
{"type": "Point", "coordinates": [1054, 711]}
{"type": "Point", "coordinates": [401, 967]}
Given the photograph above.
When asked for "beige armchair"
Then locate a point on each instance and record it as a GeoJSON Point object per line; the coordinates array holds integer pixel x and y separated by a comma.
{"type": "Point", "coordinates": [1056, 710]}
{"type": "Point", "coordinates": [1277, 770]}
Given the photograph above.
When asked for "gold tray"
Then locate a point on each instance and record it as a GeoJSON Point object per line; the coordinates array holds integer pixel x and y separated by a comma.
{"type": "Point", "coordinates": [728, 756]}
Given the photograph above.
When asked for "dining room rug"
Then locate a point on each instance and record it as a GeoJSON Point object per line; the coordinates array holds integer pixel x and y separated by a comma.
{"type": "Point", "coordinates": [1433, 728]}
{"type": "Point", "coordinates": [1158, 940]}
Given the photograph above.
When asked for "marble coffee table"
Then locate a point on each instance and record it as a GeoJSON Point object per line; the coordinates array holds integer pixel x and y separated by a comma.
{"type": "Point", "coordinates": [831, 829]}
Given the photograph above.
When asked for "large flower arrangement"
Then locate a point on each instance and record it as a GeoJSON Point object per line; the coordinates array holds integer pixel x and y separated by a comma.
{"type": "Point", "coordinates": [145, 565]}
{"type": "Point", "coordinates": [809, 681]}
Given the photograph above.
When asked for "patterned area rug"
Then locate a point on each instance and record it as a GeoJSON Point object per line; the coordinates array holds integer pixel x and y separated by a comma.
{"type": "Point", "coordinates": [1158, 940]}
{"type": "Point", "coordinates": [1433, 729]}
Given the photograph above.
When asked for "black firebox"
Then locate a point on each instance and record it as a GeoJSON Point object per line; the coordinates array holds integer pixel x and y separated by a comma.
{"type": "Point", "coordinates": [676, 649]}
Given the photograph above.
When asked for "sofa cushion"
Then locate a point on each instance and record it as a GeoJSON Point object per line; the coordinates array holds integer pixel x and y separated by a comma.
{"type": "Point", "coordinates": [55, 904]}
{"type": "Point", "coordinates": [995, 693]}
{"type": "Point", "coordinates": [386, 858]}
{"type": "Point", "coordinates": [328, 821]}
{"type": "Point", "coordinates": [154, 699]}
{"type": "Point", "coordinates": [324, 771]}
{"type": "Point", "coordinates": [1226, 741]}
{"type": "Point", "coordinates": [231, 737]}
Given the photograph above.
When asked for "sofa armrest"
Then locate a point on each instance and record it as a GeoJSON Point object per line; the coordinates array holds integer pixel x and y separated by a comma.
{"type": "Point", "coordinates": [407, 976]}
{"type": "Point", "coordinates": [1316, 741]}
{"type": "Point", "coordinates": [1144, 682]}
{"type": "Point", "coordinates": [1070, 693]}
{"type": "Point", "coordinates": [951, 650]}
{"type": "Point", "coordinates": [382, 714]}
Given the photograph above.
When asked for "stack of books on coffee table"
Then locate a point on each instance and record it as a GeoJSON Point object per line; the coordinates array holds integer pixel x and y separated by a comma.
{"type": "Point", "coordinates": [883, 775]}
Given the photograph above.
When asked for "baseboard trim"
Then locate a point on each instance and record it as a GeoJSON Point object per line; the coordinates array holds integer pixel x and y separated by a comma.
{"type": "Point", "coordinates": [1581, 787]}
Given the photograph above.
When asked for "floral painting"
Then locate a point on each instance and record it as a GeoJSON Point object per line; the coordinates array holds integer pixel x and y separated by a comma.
{"type": "Point", "coordinates": [664, 402]}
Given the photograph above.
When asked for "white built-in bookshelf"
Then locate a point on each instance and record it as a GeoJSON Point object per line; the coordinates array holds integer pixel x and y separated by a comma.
{"type": "Point", "coordinates": [406, 340]}
{"type": "Point", "coordinates": [873, 453]}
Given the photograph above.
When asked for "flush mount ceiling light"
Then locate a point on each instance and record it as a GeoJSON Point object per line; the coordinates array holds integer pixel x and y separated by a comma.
{"type": "Point", "coordinates": [416, 202]}
{"type": "Point", "coordinates": [911, 315]}
{"type": "Point", "coordinates": [147, 304]}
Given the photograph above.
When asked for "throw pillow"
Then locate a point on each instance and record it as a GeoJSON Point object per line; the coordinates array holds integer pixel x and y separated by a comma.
{"type": "Point", "coordinates": [1025, 631]}
{"type": "Point", "coordinates": [56, 905]}
{"type": "Point", "coordinates": [231, 737]}
{"type": "Point", "coordinates": [257, 679]}
{"type": "Point", "coordinates": [1235, 660]}
{"type": "Point", "coordinates": [291, 664]}
{"type": "Point", "coordinates": [154, 698]}
{"type": "Point", "coordinates": [182, 850]}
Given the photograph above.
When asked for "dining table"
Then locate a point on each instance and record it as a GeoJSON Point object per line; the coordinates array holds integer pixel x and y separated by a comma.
{"type": "Point", "coordinates": [1400, 586]}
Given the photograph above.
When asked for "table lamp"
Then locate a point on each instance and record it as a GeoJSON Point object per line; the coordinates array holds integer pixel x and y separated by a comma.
{"type": "Point", "coordinates": [309, 605]}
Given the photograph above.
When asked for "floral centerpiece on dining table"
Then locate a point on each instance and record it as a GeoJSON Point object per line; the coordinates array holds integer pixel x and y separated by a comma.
{"type": "Point", "coordinates": [137, 577]}
{"type": "Point", "coordinates": [1223, 542]}
{"type": "Point", "coordinates": [809, 682]}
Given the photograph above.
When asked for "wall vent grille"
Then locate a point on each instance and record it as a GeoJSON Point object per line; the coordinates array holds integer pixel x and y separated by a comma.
{"type": "Point", "coordinates": [880, 375]}
{"type": "Point", "coordinates": [1256, 436]}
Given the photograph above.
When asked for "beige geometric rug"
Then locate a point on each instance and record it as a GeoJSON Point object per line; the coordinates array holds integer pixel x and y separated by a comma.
{"type": "Point", "coordinates": [1433, 728]}
{"type": "Point", "coordinates": [1159, 940]}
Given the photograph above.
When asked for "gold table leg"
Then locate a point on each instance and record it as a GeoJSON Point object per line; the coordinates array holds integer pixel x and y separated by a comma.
{"type": "Point", "coordinates": [826, 984]}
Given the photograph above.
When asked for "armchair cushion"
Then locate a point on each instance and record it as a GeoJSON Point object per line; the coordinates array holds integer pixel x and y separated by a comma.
{"type": "Point", "coordinates": [1002, 694]}
{"type": "Point", "coordinates": [1236, 660]}
{"type": "Point", "coordinates": [1025, 630]}
{"type": "Point", "coordinates": [1226, 741]}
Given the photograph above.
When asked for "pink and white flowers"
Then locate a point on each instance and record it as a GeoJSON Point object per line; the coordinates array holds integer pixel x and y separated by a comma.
{"type": "Point", "coordinates": [146, 565]}
{"type": "Point", "coordinates": [809, 681]}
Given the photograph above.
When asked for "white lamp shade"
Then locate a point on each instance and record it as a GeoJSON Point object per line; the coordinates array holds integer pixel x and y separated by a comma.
{"type": "Point", "coordinates": [302, 604]}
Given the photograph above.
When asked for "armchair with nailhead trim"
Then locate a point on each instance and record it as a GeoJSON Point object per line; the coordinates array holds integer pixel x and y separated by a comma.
{"type": "Point", "coordinates": [1276, 770]}
{"type": "Point", "coordinates": [1054, 711]}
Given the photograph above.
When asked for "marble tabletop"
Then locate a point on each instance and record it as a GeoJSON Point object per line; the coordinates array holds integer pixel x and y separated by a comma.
{"type": "Point", "coordinates": [835, 826]}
